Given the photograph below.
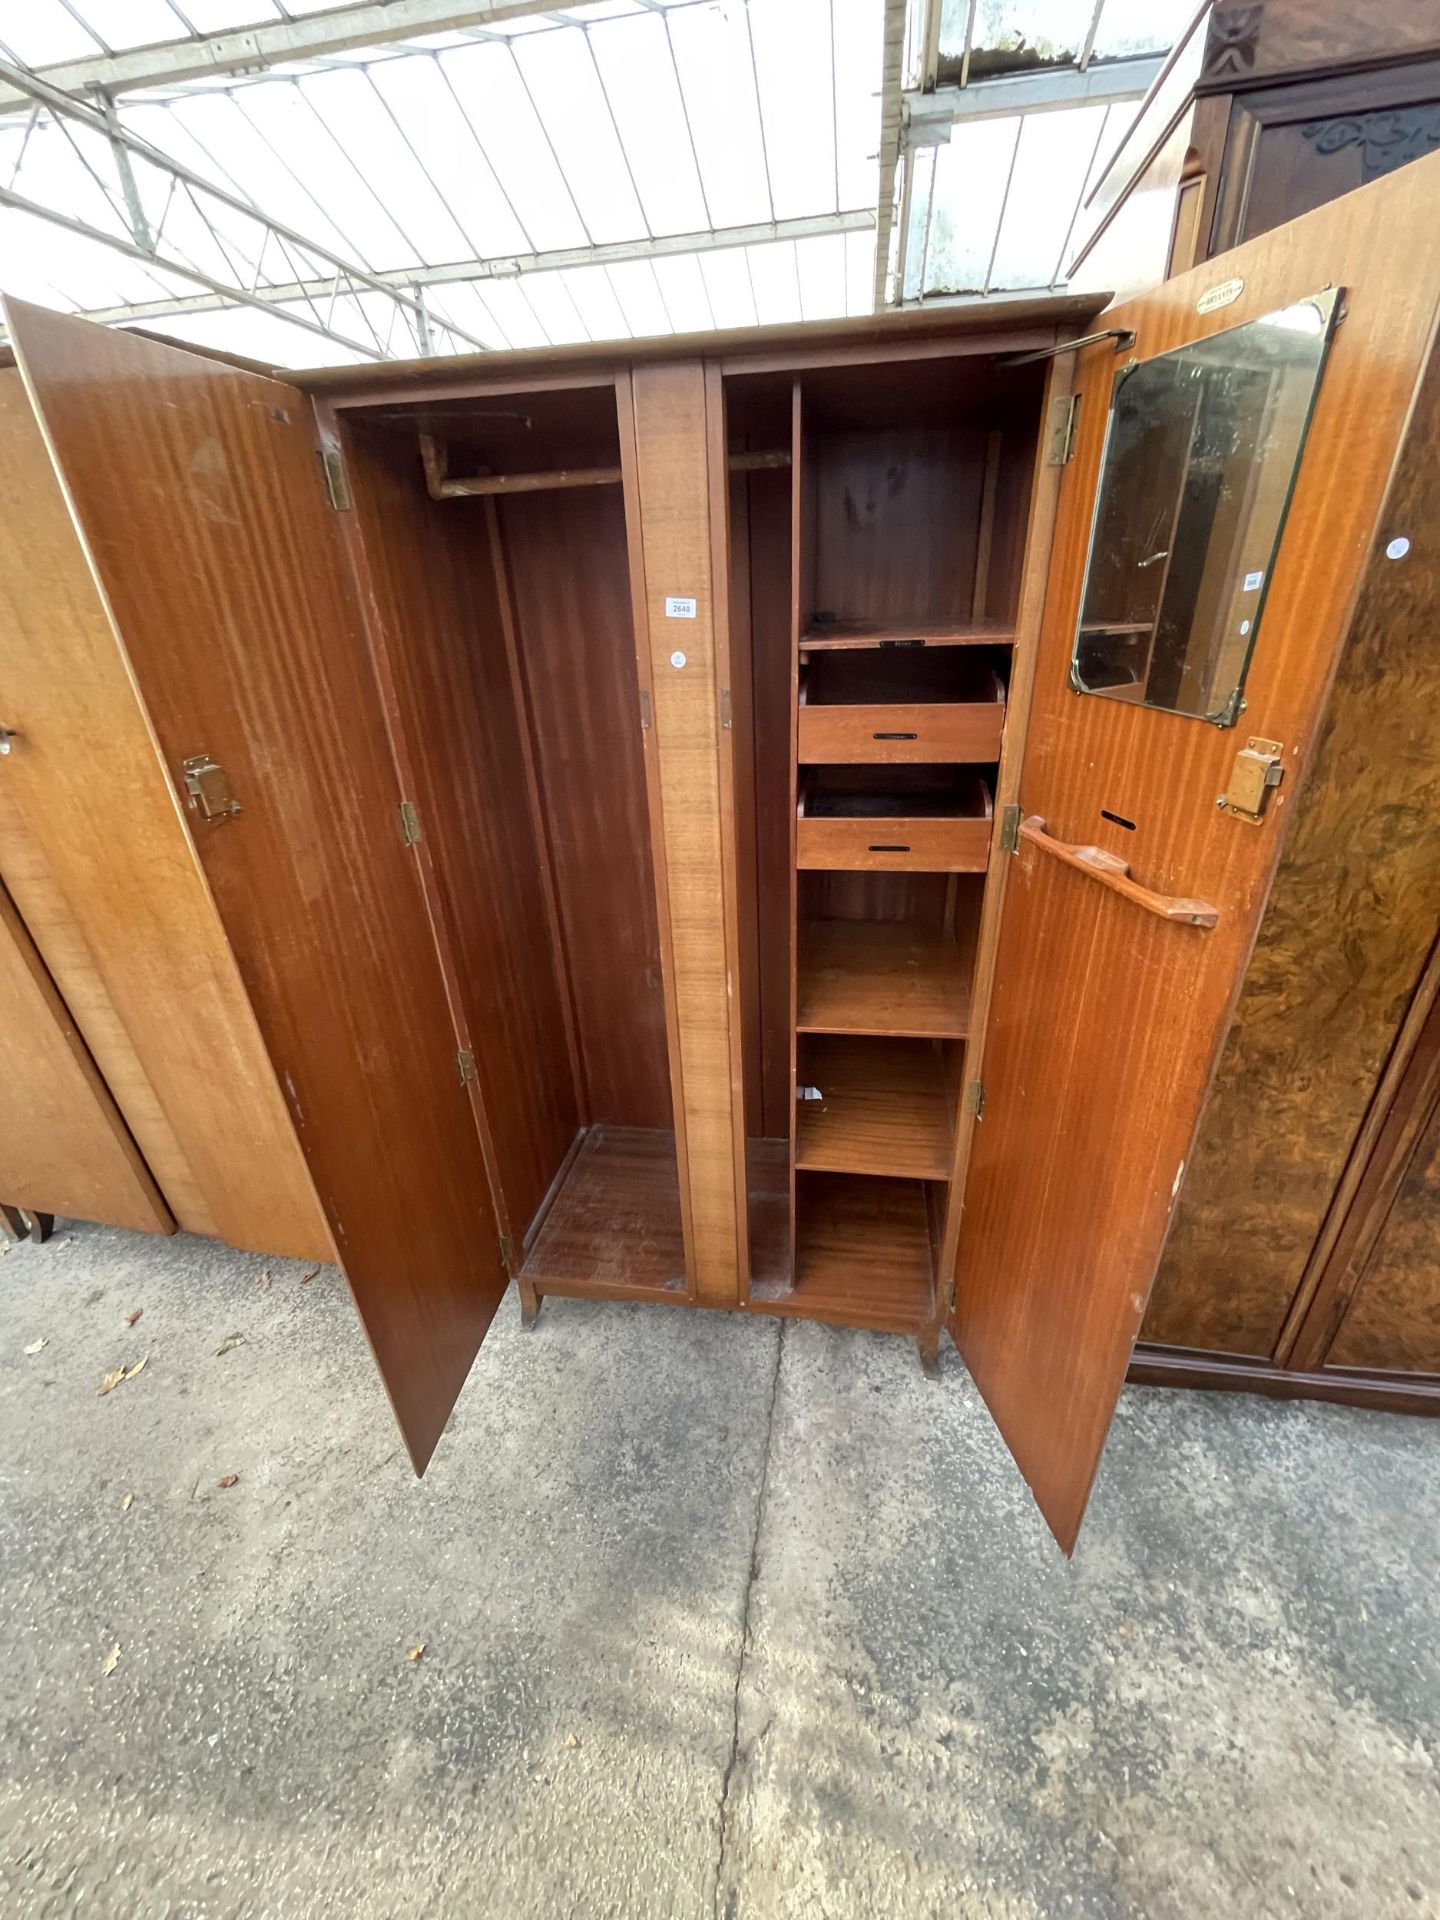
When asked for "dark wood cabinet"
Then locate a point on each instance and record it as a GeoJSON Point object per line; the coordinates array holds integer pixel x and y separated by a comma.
{"type": "Point", "coordinates": [650, 800]}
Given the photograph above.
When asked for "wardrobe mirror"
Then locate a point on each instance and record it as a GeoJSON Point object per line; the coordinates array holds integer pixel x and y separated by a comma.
{"type": "Point", "coordinates": [1201, 452]}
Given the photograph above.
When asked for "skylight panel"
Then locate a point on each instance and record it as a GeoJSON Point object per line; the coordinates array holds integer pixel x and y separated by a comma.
{"type": "Point", "coordinates": [489, 85]}
{"type": "Point", "coordinates": [820, 264]}
{"type": "Point", "coordinates": [638, 292]}
{"type": "Point", "coordinates": [444, 144]}
{"type": "Point", "coordinates": [712, 54]}
{"type": "Point", "coordinates": [283, 117]}
{"type": "Point", "coordinates": [776, 282]}
{"type": "Point", "coordinates": [858, 28]}
{"type": "Point", "coordinates": [1054, 148]}
{"type": "Point", "coordinates": [215, 16]}
{"type": "Point", "coordinates": [557, 313]}
{"type": "Point", "coordinates": [1016, 36]}
{"type": "Point", "coordinates": [797, 103]}
{"type": "Point", "coordinates": [951, 253]}
{"type": "Point", "coordinates": [42, 31]}
{"type": "Point", "coordinates": [356, 113]}
{"type": "Point", "coordinates": [727, 281]}
{"type": "Point", "coordinates": [266, 337]}
{"type": "Point", "coordinates": [514, 313]}
{"type": "Point", "coordinates": [860, 272]}
{"type": "Point", "coordinates": [633, 57]}
{"type": "Point", "coordinates": [682, 288]}
{"type": "Point", "coordinates": [594, 297]}
{"type": "Point", "coordinates": [130, 23]}
{"type": "Point", "coordinates": [565, 87]}
{"type": "Point", "coordinates": [1131, 27]}
{"type": "Point", "coordinates": [463, 303]}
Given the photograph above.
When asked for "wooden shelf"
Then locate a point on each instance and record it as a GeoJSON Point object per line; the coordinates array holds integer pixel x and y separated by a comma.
{"type": "Point", "coordinates": [837, 634]}
{"type": "Point", "coordinates": [883, 1108]}
{"type": "Point", "coordinates": [616, 1219]}
{"type": "Point", "coordinates": [881, 977]}
{"type": "Point", "coordinates": [863, 1255]}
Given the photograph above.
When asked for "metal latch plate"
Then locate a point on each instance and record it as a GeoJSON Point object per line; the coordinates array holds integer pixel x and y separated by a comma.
{"type": "Point", "coordinates": [207, 787]}
{"type": "Point", "coordinates": [1258, 768]}
{"type": "Point", "coordinates": [1060, 433]}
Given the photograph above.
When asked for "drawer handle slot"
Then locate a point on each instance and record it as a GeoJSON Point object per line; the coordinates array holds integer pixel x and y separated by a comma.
{"type": "Point", "coordinates": [894, 736]}
{"type": "Point", "coordinates": [873, 848]}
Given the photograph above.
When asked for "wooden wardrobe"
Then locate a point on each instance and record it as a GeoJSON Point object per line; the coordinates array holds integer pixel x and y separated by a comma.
{"type": "Point", "coordinates": [699, 821]}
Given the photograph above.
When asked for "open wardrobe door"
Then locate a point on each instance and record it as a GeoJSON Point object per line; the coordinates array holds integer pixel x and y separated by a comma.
{"type": "Point", "coordinates": [197, 492]}
{"type": "Point", "coordinates": [1247, 439]}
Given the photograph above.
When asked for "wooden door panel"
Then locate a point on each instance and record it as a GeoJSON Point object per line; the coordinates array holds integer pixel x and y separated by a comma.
{"type": "Point", "coordinates": [1107, 1021]}
{"type": "Point", "coordinates": [98, 862]}
{"type": "Point", "coordinates": [63, 1145]}
{"type": "Point", "coordinates": [197, 491]}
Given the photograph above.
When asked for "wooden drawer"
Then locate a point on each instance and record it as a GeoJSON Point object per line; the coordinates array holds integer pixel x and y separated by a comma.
{"type": "Point", "coordinates": [944, 828]}
{"type": "Point", "coordinates": [895, 846]}
{"type": "Point", "coordinates": [968, 730]}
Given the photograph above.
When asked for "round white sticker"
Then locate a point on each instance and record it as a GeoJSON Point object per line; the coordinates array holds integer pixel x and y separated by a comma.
{"type": "Point", "coordinates": [1398, 548]}
{"type": "Point", "coordinates": [677, 659]}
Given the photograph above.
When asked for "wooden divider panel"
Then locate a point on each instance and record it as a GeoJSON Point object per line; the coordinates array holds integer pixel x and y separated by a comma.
{"type": "Point", "coordinates": [675, 624]}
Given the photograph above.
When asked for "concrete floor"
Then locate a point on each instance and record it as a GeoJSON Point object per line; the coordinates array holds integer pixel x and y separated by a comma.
{"type": "Point", "coordinates": [719, 1620]}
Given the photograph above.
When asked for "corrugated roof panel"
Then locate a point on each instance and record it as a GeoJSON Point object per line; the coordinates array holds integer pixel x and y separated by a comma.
{"type": "Point", "coordinates": [639, 77]}
{"type": "Point", "coordinates": [594, 297]}
{"type": "Point", "coordinates": [491, 89]}
{"type": "Point", "coordinates": [418, 93]}
{"type": "Point", "coordinates": [712, 53]}
{"type": "Point", "coordinates": [798, 103]}
{"type": "Point", "coordinates": [728, 284]}
{"type": "Point", "coordinates": [776, 281]}
{"type": "Point", "coordinates": [564, 84]}
{"type": "Point", "coordinates": [118, 24]}
{"type": "Point", "coordinates": [45, 31]}
{"type": "Point", "coordinates": [641, 300]}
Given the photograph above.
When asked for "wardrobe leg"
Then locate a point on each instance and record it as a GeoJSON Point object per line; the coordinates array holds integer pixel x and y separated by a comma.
{"type": "Point", "coordinates": [529, 1303]}
{"type": "Point", "coordinates": [42, 1225]}
{"type": "Point", "coordinates": [13, 1224]}
{"type": "Point", "coordinates": [928, 1342]}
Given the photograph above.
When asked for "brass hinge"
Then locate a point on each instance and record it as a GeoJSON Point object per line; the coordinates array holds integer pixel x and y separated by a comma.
{"type": "Point", "coordinates": [975, 1097]}
{"type": "Point", "coordinates": [726, 715]}
{"type": "Point", "coordinates": [644, 709]}
{"type": "Point", "coordinates": [507, 1253]}
{"type": "Point", "coordinates": [337, 481]}
{"type": "Point", "coordinates": [207, 788]}
{"type": "Point", "coordinates": [465, 1065]}
{"type": "Point", "coordinates": [1060, 437]}
{"type": "Point", "coordinates": [409, 823]}
{"type": "Point", "coordinates": [1010, 829]}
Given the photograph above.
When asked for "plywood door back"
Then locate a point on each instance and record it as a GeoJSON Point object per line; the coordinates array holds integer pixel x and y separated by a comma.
{"type": "Point", "coordinates": [63, 1145]}
{"type": "Point", "coordinates": [1107, 1021]}
{"type": "Point", "coordinates": [99, 861]}
{"type": "Point", "coordinates": [197, 490]}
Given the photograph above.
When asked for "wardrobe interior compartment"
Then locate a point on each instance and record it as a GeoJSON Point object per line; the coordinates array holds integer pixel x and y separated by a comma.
{"type": "Point", "coordinates": [875, 581]}
{"type": "Point", "coordinates": [493, 530]}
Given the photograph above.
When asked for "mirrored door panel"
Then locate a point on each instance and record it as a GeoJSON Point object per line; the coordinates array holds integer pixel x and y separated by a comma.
{"type": "Point", "coordinates": [1201, 452]}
